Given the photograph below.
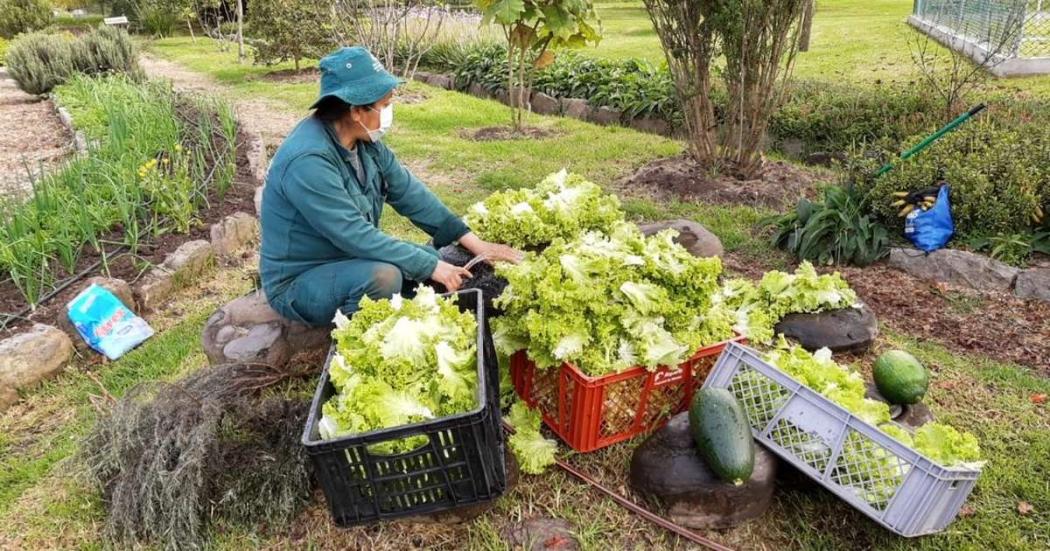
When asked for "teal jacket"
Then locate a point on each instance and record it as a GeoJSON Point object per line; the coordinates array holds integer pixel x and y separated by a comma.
{"type": "Point", "coordinates": [314, 211]}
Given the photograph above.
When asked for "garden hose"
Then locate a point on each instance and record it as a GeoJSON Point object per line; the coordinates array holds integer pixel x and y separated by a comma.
{"type": "Point", "coordinates": [932, 138]}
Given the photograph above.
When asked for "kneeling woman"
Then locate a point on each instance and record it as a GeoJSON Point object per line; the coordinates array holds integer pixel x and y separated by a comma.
{"type": "Point", "coordinates": [322, 249]}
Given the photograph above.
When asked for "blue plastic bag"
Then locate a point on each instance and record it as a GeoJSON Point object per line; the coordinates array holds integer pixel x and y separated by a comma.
{"type": "Point", "coordinates": [930, 230]}
{"type": "Point", "coordinates": [105, 323]}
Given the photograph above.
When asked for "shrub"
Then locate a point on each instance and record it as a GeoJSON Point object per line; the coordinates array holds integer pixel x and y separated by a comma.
{"type": "Point", "coordinates": [290, 30]}
{"type": "Point", "coordinates": [835, 231]}
{"type": "Point", "coordinates": [23, 16]}
{"type": "Point", "coordinates": [3, 50]}
{"type": "Point", "coordinates": [999, 177]}
{"type": "Point", "coordinates": [156, 17]}
{"type": "Point", "coordinates": [39, 61]}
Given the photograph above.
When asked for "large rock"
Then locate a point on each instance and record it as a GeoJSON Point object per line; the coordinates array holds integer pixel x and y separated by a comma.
{"type": "Point", "coordinates": [1033, 283]}
{"type": "Point", "coordinates": [576, 108]}
{"type": "Point", "coordinates": [440, 81]}
{"type": "Point", "coordinates": [653, 125]}
{"type": "Point", "coordinates": [695, 238]}
{"type": "Point", "coordinates": [844, 330]}
{"type": "Point", "coordinates": [29, 357]}
{"type": "Point", "coordinates": [607, 115]}
{"type": "Point", "coordinates": [118, 287]}
{"type": "Point", "coordinates": [180, 268]}
{"type": "Point", "coordinates": [544, 104]}
{"type": "Point", "coordinates": [668, 468]}
{"type": "Point", "coordinates": [249, 330]}
{"type": "Point", "coordinates": [478, 90]}
{"type": "Point", "coordinates": [234, 233]}
{"type": "Point", "coordinates": [957, 267]}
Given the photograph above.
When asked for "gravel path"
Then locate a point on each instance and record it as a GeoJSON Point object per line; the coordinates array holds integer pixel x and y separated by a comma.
{"type": "Point", "coordinates": [30, 134]}
{"type": "Point", "coordinates": [266, 118]}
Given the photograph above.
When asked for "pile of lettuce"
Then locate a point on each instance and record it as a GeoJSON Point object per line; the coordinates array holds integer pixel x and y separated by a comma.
{"type": "Point", "coordinates": [756, 309]}
{"type": "Point", "coordinates": [562, 206]}
{"type": "Point", "coordinates": [873, 471]}
{"type": "Point", "coordinates": [399, 362]}
{"type": "Point", "coordinates": [534, 452]}
{"type": "Point", "coordinates": [607, 302]}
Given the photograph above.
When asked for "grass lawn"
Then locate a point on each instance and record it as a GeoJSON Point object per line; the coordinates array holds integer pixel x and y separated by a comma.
{"type": "Point", "coordinates": [853, 41]}
{"type": "Point", "coordinates": [46, 506]}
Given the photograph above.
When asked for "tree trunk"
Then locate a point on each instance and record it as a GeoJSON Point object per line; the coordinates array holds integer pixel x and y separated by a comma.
{"type": "Point", "coordinates": [807, 25]}
{"type": "Point", "coordinates": [189, 26]}
{"type": "Point", "coordinates": [240, 33]}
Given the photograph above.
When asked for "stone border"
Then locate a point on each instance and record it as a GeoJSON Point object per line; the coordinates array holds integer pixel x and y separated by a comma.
{"type": "Point", "coordinates": [976, 271]}
{"type": "Point", "coordinates": [80, 143]}
{"type": "Point", "coordinates": [543, 104]}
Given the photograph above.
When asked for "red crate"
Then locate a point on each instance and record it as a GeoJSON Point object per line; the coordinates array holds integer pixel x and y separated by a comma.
{"type": "Point", "coordinates": [590, 413]}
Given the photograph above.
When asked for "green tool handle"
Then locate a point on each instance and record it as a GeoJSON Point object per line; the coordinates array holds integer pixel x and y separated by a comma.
{"type": "Point", "coordinates": [932, 138]}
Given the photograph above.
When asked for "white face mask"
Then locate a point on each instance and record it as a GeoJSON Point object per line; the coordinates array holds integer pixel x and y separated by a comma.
{"type": "Point", "coordinates": [386, 119]}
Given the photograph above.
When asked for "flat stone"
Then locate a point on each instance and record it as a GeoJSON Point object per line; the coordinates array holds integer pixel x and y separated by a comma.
{"type": "Point", "coordinates": [696, 239]}
{"type": "Point", "coordinates": [29, 357]}
{"type": "Point", "coordinates": [501, 96]}
{"type": "Point", "coordinates": [421, 76]}
{"type": "Point", "coordinates": [8, 397]}
{"type": "Point", "coordinates": [478, 90]}
{"type": "Point", "coordinates": [180, 268]}
{"type": "Point", "coordinates": [154, 288]}
{"type": "Point", "coordinates": [542, 534]}
{"type": "Point", "coordinates": [118, 287]}
{"type": "Point", "coordinates": [844, 330]}
{"type": "Point", "coordinates": [576, 108]}
{"type": "Point", "coordinates": [1033, 283]}
{"type": "Point", "coordinates": [607, 115]}
{"type": "Point", "coordinates": [248, 330]}
{"type": "Point", "coordinates": [234, 233]}
{"type": "Point", "coordinates": [441, 81]}
{"type": "Point", "coordinates": [957, 267]}
{"type": "Point", "coordinates": [653, 125]}
{"type": "Point", "coordinates": [545, 104]}
{"type": "Point", "coordinates": [190, 259]}
{"type": "Point", "coordinates": [668, 468]}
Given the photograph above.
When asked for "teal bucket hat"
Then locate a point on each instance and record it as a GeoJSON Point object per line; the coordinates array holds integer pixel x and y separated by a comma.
{"type": "Point", "coordinates": [355, 76]}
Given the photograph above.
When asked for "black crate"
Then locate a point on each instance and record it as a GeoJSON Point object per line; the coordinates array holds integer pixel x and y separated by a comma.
{"type": "Point", "coordinates": [461, 464]}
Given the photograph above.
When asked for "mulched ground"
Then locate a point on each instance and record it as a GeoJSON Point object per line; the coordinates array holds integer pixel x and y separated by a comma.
{"type": "Point", "coordinates": [31, 137]}
{"type": "Point", "coordinates": [779, 186]}
{"type": "Point", "coordinates": [496, 133]}
{"type": "Point", "coordinates": [239, 197]}
{"type": "Point", "coordinates": [996, 325]}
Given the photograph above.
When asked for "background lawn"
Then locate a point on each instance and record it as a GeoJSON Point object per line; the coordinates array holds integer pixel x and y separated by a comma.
{"type": "Point", "coordinates": [853, 41]}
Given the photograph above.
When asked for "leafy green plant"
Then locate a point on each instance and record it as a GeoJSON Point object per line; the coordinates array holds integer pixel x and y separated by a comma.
{"type": "Point", "coordinates": [999, 178]}
{"type": "Point", "coordinates": [532, 30]}
{"type": "Point", "coordinates": [4, 43]}
{"type": "Point", "coordinates": [1014, 249]}
{"type": "Point", "coordinates": [289, 30]}
{"type": "Point", "coordinates": [153, 160]}
{"type": "Point", "coordinates": [835, 231]}
{"type": "Point", "coordinates": [40, 61]}
{"type": "Point", "coordinates": [23, 16]}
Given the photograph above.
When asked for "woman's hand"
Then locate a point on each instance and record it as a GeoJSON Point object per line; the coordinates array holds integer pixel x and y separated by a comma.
{"type": "Point", "coordinates": [492, 252]}
{"type": "Point", "coordinates": [449, 275]}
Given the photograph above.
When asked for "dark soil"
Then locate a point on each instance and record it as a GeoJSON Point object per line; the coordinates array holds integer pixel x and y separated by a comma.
{"type": "Point", "coordinates": [239, 197]}
{"type": "Point", "coordinates": [779, 186]}
{"type": "Point", "coordinates": [496, 133]}
{"type": "Point", "coordinates": [997, 325]}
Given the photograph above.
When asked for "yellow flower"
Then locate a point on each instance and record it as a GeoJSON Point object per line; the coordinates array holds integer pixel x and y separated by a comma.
{"type": "Point", "coordinates": [178, 147]}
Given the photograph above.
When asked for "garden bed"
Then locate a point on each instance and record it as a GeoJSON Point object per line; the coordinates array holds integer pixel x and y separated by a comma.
{"type": "Point", "coordinates": [239, 197]}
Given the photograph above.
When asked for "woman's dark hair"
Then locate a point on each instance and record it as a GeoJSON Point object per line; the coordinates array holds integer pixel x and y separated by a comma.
{"type": "Point", "coordinates": [331, 109]}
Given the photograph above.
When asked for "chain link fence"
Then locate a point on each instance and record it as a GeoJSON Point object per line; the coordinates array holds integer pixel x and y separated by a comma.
{"type": "Point", "coordinates": [1014, 33]}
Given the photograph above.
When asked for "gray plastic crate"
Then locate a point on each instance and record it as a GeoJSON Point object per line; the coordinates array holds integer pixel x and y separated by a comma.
{"type": "Point", "coordinates": [900, 488]}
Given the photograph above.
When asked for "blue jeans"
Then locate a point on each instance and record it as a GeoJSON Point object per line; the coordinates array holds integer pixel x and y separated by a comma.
{"type": "Point", "coordinates": [314, 295]}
